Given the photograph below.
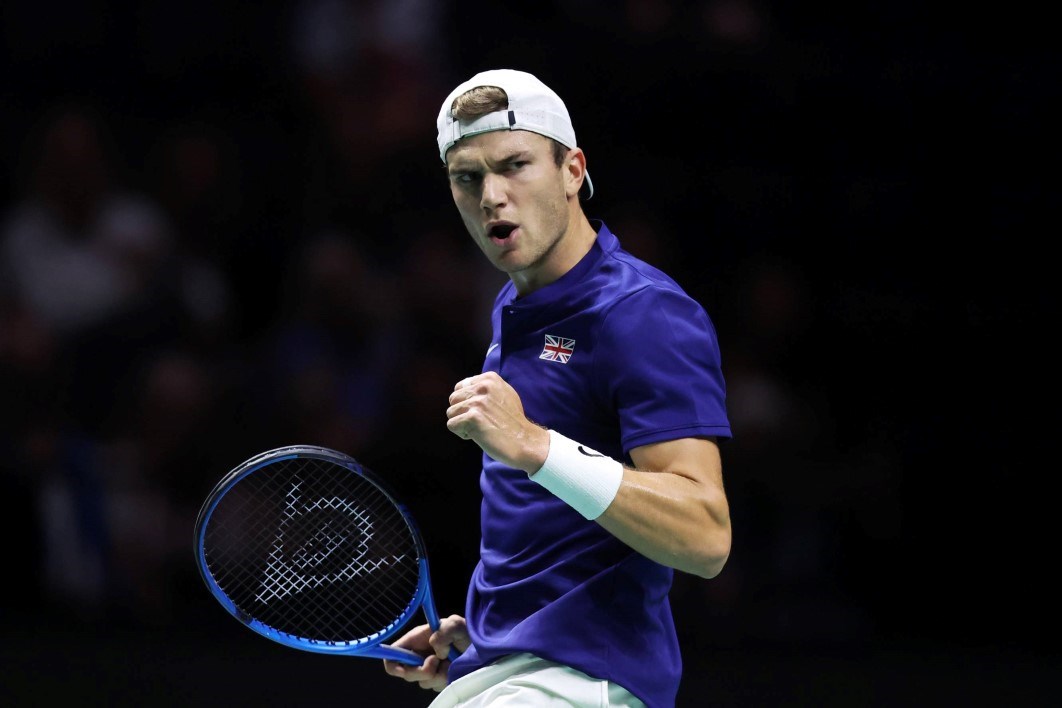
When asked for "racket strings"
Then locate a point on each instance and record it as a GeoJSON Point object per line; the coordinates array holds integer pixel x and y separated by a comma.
{"type": "Point", "coordinates": [314, 550]}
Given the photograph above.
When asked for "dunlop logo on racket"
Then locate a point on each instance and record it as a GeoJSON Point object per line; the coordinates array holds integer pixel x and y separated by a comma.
{"type": "Point", "coordinates": [318, 542]}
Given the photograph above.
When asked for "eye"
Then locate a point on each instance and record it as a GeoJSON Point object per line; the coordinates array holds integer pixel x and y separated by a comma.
{"type": "Point", "coordinates": [465, 178]}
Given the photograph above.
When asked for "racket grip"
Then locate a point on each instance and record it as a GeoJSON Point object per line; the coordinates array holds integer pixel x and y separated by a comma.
{"type": "Point", "coordinates": [405, 656]}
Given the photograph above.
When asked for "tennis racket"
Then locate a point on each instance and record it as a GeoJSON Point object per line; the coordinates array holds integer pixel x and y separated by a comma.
{"type": "Point", "coordinates": [309, 548]}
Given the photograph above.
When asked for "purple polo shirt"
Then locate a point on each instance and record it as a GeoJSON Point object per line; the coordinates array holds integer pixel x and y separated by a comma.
{"type": "Point", "coordinates": [613, 355]}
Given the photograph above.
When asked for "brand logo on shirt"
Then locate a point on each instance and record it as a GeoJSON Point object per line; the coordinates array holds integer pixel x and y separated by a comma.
{"type": "Point", "coordinates": [557, 349]}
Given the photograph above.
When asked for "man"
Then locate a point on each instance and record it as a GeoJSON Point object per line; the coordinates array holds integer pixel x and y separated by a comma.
{"type": "Point", "coordinates": [598, 411]}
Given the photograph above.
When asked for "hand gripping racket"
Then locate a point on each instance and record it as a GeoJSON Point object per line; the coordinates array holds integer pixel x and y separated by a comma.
{"type": "Point", "coordinates": [310, 549]}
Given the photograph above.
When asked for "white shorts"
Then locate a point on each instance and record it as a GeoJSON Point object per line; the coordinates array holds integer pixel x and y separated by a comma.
{"type": "Point", "coordinates": [526, 680]}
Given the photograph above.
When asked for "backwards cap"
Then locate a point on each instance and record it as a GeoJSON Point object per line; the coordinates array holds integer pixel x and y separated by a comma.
{"type": "Point", "coordinates": [533, 106]}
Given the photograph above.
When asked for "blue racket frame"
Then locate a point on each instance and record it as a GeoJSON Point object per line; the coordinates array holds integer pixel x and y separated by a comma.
{"type": "Point", "coordinates": [372, 646]}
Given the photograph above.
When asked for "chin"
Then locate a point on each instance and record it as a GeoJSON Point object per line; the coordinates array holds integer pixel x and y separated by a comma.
{"type": "Point", "coordinates": [508, 263]}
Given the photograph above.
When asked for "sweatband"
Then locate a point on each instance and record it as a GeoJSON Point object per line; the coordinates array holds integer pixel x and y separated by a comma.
{"type": "Point", "coordinates": [583, 478]}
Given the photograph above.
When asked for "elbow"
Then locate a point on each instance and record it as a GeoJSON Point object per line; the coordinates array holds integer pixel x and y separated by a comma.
{"type": "Point", "coordinates": [714, 568]}
{"type": "Point", "coordinates": [712, 556]}
{"type": "Point", "coordinates": [713, 543]}
{"type": "Point", "coordinates": [712, 547]}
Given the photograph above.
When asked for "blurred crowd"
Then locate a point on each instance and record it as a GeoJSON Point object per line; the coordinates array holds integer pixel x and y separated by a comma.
{"type": "Point", "coordinates": [258, 249]}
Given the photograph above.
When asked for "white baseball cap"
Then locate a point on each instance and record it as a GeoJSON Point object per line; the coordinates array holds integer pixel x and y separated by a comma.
{"type": "Point", "coordinates": [533, 106]}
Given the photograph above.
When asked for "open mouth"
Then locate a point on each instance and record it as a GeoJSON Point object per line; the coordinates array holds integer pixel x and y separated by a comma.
{"type": "Point", "coordinates": [500, 232]}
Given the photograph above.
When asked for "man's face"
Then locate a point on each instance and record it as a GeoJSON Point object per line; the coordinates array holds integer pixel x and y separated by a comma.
{"type": "Point", "coordinates": [512, 197]}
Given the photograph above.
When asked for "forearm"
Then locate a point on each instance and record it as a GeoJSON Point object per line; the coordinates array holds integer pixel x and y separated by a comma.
{"type": "Point", "coordinates": [676, 521]}
{"type": "Point", "coordinates": [672, 509]}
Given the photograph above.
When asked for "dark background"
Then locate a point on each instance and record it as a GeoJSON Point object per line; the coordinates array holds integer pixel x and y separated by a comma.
{"type": "Point", "coordinates": [858, 196]}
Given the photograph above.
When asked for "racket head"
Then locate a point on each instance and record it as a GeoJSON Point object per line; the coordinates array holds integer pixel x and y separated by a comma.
{"type": "Point", "coordinates": [309, 548]}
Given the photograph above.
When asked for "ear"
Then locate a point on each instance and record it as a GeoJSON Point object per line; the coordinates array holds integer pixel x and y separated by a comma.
{"type": "Point", "coordinates": [574, 171]}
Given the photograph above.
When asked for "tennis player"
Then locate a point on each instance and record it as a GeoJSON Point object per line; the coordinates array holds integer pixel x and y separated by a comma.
{"type": "Point", "coordinates": [598, 411]}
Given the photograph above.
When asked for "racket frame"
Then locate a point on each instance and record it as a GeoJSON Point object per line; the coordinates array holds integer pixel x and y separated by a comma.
{"type": "Point", "coordinates": [372, 646]}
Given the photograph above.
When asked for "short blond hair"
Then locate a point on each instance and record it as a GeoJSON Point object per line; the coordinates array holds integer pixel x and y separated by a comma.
{"type": "Point", "coordinates": [479, 102]}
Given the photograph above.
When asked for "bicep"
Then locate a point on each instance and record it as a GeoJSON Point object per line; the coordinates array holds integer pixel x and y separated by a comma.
{"type": "Point", "coordinates": [695, 459]}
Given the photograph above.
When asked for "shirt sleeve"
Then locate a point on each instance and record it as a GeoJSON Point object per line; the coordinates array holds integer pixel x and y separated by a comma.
{"type": "Point", "coordinates": [663, 371]}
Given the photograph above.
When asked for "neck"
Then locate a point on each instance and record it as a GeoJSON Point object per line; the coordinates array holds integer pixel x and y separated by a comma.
{"type": "Point", "coordinates": [562, 256]}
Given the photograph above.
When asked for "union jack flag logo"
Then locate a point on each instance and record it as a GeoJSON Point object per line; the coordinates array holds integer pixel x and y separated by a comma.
{"type": "Point", "coordinates": [557, 349]}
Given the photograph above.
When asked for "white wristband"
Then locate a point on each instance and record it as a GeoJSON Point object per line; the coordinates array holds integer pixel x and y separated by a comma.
{"type": "Point", "coordinates": [583, 478]}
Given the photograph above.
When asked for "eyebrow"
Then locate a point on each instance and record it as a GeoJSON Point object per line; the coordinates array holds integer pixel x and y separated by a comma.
{"type": "Point", "coordinates": [459, 165]}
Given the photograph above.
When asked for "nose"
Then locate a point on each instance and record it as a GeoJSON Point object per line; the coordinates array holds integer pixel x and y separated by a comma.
{"type": "Point", "coordinates": [493, 195]}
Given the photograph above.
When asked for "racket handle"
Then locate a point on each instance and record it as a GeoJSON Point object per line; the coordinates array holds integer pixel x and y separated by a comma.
{"type": "Point", "coordinates": [405, 656]}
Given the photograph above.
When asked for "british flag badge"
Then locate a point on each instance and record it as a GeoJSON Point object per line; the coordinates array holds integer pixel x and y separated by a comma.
{"type": "Point", "coordinates": [557, 349]}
